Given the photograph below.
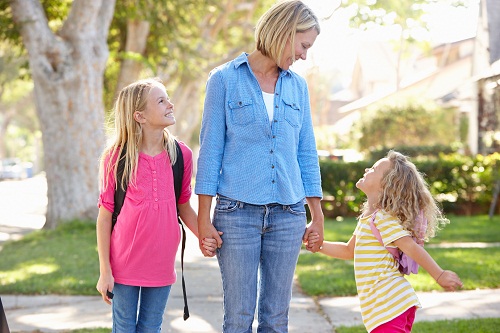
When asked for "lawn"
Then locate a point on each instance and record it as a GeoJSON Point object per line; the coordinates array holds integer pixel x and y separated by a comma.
{"type": "Point", "coordinates": [320, 275]}
{"type": "Point", "coordinates": [488, 325]}
{"type": "Point", "coordinates": [64, 261]}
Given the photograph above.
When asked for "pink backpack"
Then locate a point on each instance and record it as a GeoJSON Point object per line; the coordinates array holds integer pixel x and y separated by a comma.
{"type": "Point", "coordinates": [406, 264]}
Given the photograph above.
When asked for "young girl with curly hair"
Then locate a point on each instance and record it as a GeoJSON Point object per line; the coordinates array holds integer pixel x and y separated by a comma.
{"type": "Point", "coordinates": [397, 198]}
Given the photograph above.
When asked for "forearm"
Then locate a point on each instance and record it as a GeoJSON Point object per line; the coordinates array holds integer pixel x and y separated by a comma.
{"type": "Point", "coordinates": [204, 206]}
{"type": "Point", "coordinates": [420, 255]}
{"type": "Point", "coordinates": [103, 233]}
{"type": "Point", "coordinates": [314, 204]}
{"type": "Point", "coordinates": [189, 217]}
{"type": "Point", "coordinates": [423, 258]}
{"type": "Point", "coordinates": [337, 250]}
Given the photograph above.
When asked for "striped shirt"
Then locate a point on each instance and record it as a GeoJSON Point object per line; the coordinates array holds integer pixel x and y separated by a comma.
{"type": "Point", "coordinates": [245, 155]}
{"type": "Point", "coordinates": [383, 291]}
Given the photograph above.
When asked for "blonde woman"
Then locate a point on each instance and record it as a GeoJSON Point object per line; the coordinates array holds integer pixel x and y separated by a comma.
{"type": "Point", "coordinates": [258, 158]}
{"type": "Point", "coordinates": [137, 256]}
{"type": "Point", "coordinates": [396, 195]}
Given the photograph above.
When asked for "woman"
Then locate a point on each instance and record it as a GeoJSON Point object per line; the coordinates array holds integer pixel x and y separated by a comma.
{"type": "Point", "coordinates": [258, 157]}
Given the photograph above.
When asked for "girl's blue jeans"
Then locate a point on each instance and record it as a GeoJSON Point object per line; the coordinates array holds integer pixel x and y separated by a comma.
{"type": "Point", "coordinates": [261, 245]}
{"type": "Point", "coordinates": [138, 309]}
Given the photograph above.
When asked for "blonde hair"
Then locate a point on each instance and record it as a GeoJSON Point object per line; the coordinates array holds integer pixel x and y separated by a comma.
{"type": "Point", "coordinates": [128, 132]}
{"type": "Point", "coordinates": [280, 24]}
{"type": "Point", "coordinates": [405, 194]}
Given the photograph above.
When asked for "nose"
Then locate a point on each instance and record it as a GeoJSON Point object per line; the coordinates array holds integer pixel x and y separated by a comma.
{"type": "Point", "coordinates": [366, 169]}
{"type": "Point", "coordinates": [303, 56]}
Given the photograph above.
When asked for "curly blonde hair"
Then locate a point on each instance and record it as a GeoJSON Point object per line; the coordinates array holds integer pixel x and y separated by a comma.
{"type": "Point", "coordinates": [405, 195]}
{"type": "Point", "coordinates": [128, 132]}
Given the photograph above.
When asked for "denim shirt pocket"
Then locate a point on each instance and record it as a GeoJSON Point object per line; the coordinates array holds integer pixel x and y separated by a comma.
{"type": "Point", "coordinates": [242, 112]}
{"type": "Point", "coordinates": [292, 113]}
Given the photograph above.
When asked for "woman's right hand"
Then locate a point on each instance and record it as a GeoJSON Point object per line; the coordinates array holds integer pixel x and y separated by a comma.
{"type": "Point", "coordinates": [106, 283]}
{"type": "Point", "coordinates": [210, 245]}
{"type": "Point", "coordinates": [209, 238]}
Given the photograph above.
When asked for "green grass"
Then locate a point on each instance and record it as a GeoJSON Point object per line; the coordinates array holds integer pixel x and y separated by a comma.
{"type": "Point", "coordinates": [62, 261]}
{"type": "Point", "coordinates": [484, 325]}
{"type": "Point", "coordinates": [320, 275]}
{"type": "Point", "coordinates": [461, 229]}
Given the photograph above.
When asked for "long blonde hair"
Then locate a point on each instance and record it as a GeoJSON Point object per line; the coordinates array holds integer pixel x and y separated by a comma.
{"type": "Point", "coordinates": [280, 24]}
{"type": "Point", "coordinates": [128, 132]}
{"type": "Point", "coordinates": [405, 194]}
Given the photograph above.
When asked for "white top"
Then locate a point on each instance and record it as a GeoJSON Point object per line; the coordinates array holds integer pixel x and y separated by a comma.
{"type": "Point", "coordinates": [269, 101]}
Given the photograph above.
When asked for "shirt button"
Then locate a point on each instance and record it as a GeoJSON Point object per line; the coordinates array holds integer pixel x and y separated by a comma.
{"type": "Point", "coordinates": [274, 136]}
{"type": "Point", "coordinates": [275, 120]}
{"type": "Point", "coordinates": [272, 167]}
{"type": "Point", "coordinates": [273, 181]}
{"type": "Point", "coordinates": [154, 189]}
{"type": "Point", "coordinates": [154, 171]}
{"type": "Point", "coordinates": [156, 199]}
{"type": "Point", "coordinates": [276, 106]}
{"type": "Point", "coordinates": [239, 103]}
{"type": "Point", "coordinates": [271, 151]}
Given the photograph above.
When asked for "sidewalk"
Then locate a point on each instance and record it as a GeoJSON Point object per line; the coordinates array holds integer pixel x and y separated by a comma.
{"type": "Point", "coordinates": [53, 313]}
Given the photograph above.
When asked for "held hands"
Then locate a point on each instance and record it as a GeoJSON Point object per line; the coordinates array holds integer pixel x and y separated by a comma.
{"type": "Point", "coordinates": [449, 281]}
{"type": "Point", "coordinates": [313, 241]}
{"type": "Point", "coordinates": [209, 245]}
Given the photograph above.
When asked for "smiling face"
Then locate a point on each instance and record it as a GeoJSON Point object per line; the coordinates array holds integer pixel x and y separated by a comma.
{"type": "Point", "coordinates": [371, 181]}
{"type": "Point", "coordinates": [303, 42]}
{"type": "Point", "coordinates": [159, 111]}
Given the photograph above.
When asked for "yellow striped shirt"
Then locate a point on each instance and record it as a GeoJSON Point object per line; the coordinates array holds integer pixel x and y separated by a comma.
{"type": "Point", "coordinates": [383, 291]}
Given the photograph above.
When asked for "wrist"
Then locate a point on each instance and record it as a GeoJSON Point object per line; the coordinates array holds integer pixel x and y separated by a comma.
{"type": "Point", "coordinates": [440, 275]}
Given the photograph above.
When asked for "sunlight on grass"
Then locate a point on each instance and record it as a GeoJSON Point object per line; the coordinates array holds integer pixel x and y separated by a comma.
{"type": "Point", "coordinates": [26, 271]}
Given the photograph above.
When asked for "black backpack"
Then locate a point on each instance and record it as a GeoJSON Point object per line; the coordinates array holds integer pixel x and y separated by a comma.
{"type": "Point", "coordinates": [178, 170]}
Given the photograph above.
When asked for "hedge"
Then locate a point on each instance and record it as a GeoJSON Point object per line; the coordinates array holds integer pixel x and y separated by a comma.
{"type": "Point", "coordinates": [463, 185]}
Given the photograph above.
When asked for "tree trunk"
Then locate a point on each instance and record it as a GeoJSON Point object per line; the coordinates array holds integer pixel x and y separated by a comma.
{"type": "Point", "coordinates": [130, 69]}
{"type": "Point", "coordinates": [67, 71]}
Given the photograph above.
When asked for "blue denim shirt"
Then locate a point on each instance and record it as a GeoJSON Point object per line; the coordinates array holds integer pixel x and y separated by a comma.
{"type": "Point", "coordinates": [244, 155]}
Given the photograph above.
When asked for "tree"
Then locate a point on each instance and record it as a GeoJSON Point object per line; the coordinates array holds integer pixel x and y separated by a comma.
{"type": "Point", "coordinates": [67, 68]}
{"type": "Point", "coordinates": [407, 124]}
{"type": "Point", "coordinates": [179, 41]}
{"type": "Point", "coordinates": [406, 14]}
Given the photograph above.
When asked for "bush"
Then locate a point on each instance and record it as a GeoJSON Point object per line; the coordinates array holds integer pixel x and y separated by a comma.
{"type": "Point", "coordinates": [462, 184]}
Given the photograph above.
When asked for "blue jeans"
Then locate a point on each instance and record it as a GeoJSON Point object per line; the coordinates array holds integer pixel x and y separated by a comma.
{"type": "Point", "coordinates": [151, 301]}
{"type": "Point", "coordinates": [261, 245]}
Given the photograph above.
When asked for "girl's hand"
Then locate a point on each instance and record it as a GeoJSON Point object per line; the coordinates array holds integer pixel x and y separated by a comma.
{"type": "Point", "coordinates": [449, 281]}
{"type": "Point", "coordinates": [312, 239]}
{"type": "Point", "coordinates": [210, 245]}
{"type": "Point", "coordinates": [106, 283]}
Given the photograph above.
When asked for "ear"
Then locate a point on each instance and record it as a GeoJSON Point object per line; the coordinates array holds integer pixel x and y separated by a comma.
{"type": "Point", "coordinates": [139, 117]}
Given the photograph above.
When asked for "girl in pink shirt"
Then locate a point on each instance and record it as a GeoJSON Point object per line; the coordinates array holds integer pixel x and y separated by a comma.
{"type": "Point", "coordinates": [137, 256]}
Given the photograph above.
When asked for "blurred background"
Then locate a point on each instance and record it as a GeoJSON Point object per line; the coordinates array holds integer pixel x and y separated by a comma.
{"type": "Point", "coordinates": [418, 76]}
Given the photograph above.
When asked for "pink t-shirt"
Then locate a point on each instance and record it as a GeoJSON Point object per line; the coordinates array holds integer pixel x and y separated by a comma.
{"type": "Point", "coordinates": [146, 236]}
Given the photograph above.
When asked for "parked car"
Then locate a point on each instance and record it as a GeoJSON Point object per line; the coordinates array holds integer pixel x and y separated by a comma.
{"type": "Point", "coordinates": [12, 168]}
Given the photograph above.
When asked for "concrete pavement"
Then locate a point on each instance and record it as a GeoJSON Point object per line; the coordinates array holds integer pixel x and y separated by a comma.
{"type": "Point", "coordinates": [53, 313]}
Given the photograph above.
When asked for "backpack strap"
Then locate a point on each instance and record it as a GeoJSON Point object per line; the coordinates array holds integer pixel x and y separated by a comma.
{"type": "Point", "coordinates": [120, 192]}
{"type": "Point", "coordinates": [394, 251]}
{"type": "Point", "coordinates": [178, 172]}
